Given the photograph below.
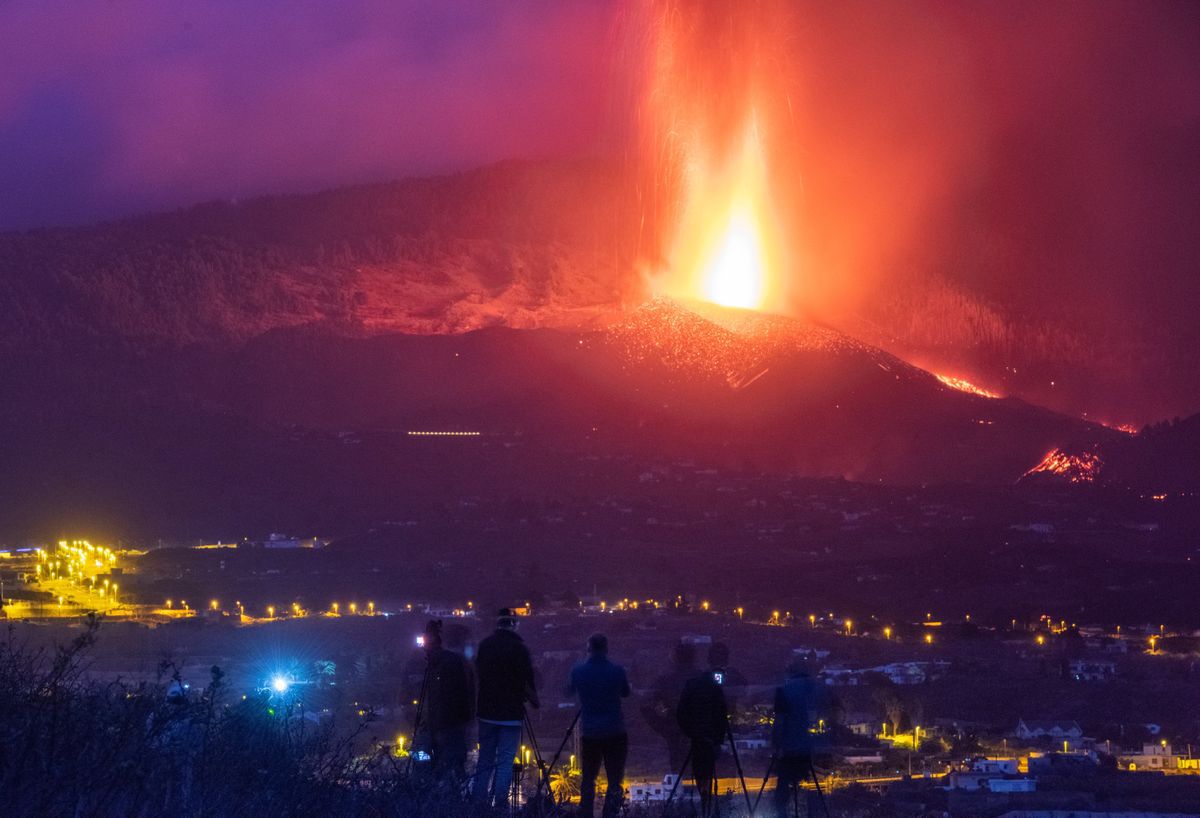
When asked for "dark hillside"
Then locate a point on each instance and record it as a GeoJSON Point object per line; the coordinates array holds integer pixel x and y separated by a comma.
{"type": "Point", "coordinates": [516, 244]}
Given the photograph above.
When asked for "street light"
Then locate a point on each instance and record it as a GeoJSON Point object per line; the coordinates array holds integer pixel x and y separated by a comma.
{"type": "Point", "coordinates": [270, 611]}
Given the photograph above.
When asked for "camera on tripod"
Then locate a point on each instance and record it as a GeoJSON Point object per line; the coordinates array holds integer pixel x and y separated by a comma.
{"type": "Point", "coordinates": [433, 628]}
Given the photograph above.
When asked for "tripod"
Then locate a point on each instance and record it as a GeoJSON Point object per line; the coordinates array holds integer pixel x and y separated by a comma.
{"type": "Point", "coordinates": [812, 771]}
{"type": "Point", "coordinates": [545, 770]}
{"type": "Point", "coordinates": [417, 719]}
{"type": "Point", "coordinates": [737, 762]}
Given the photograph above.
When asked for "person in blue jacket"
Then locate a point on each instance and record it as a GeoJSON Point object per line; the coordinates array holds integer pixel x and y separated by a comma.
{"type": "Point", "coordinates": [600, 685]}
{"type": "Point", "coordinates": [801, 704]}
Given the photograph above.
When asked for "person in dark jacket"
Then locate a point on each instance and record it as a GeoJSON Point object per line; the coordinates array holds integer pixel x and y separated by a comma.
{"type": "Point", "coordinates": [704, 719]}
{"type": "Point", "coordinates": [505, 673]}
{"type": "Point", "coordinates": [448, 707]}
{"type": "Point", "coordinates": [800, 704]}
{"type": "Point", "coordinates": [601, 685]}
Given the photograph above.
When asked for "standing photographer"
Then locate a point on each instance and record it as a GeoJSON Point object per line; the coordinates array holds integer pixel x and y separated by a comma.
{"type": "Point", "coordinates": [704, 720]}
{"type": "Point", "coordinates": [801, 703]}
{"type": "Point", "coordinates": [448, 706]}
{"type": "Point", "coordinates": [505, 673]}
{"type": "Point", "coordinates": [600, 685]}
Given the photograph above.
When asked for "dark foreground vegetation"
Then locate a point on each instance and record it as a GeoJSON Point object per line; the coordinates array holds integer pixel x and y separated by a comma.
{"type": "Point", "coordinates": [73, 747]}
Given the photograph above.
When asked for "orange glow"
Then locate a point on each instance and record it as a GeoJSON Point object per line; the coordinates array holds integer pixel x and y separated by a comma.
{"type": "Point", "coordinates": [965, 386]}
{"type": "Point", "coordinates": [726, 248]}
{"type": "Point", "coordinates": [1078, 468]}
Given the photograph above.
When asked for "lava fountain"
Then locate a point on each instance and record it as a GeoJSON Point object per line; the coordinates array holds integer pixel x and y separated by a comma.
{"type": "Point", "coordinates": [725, 248]}
{"type": "Point", "coordinates": [715, 96]}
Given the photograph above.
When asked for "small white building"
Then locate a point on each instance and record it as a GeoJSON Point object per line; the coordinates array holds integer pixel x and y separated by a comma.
{"type": "Point", "coordinates": [1153, 757]}
{"type": "Point", "coordinates": [643, 792]}
{"type": "Point", "coordinates": [1002, 766]}
{"type": "Point", "coordinates": [1058, 731]}
{"type": "Point", "coordinates": [991, 775]}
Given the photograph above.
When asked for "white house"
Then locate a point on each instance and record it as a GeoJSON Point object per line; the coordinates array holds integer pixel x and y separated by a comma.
{"type": "Point", "coordinates": [641, 792]}
{"type": "Point", "coordinates": [1156, 757]}
{"type": "Point", "coordinates": [1056, 730]}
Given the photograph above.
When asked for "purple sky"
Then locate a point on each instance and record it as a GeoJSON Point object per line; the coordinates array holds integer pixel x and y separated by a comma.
{"type": "Point", "coordinates": [114, 106]}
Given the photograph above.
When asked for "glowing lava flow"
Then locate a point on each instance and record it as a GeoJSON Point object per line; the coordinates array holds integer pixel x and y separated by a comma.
{"type": "Point", "coordinates": [1077, 468]}
{"type": "Point", "coordinates": [726, 248]}
{"type": "Point", "coordinates": [965, 386]}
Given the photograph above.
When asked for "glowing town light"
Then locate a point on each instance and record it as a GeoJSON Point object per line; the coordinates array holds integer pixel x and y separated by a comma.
{"type": "Point", "coordinates": [280, 684]}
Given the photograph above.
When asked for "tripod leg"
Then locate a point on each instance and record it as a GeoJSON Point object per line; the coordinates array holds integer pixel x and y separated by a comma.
{"type": "Point", "coordinates": [737, 762]}
{"type": "Point", "coordinates": [678, 778]}
{"type": "Point", "coordinates": [417, 716]}
{"type": "Point", "coordinates": [562, 745]}
{"type": "Point", "coordinates": [820, 795]}
{"type": "Point", "coordinates": [762, 788]}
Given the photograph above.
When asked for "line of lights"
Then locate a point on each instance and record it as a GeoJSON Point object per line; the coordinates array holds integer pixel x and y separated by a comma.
{"type": "Point", "coordinates": [444, 434]}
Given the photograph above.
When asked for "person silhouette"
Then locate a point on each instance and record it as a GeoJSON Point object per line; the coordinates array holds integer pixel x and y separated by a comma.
{"type": "Point", "coordinates": [659, 708]}
{"type": "Point", "coordinates": [801, 703]}
{"type": "Point", "coordinates": [504, 670]}
{"type": "Point", "coordinates": [449, 705]}
{"type": "Point", "coordinates": [600, 685]}
{"type": "Point", "coordinates": [704, 719]}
